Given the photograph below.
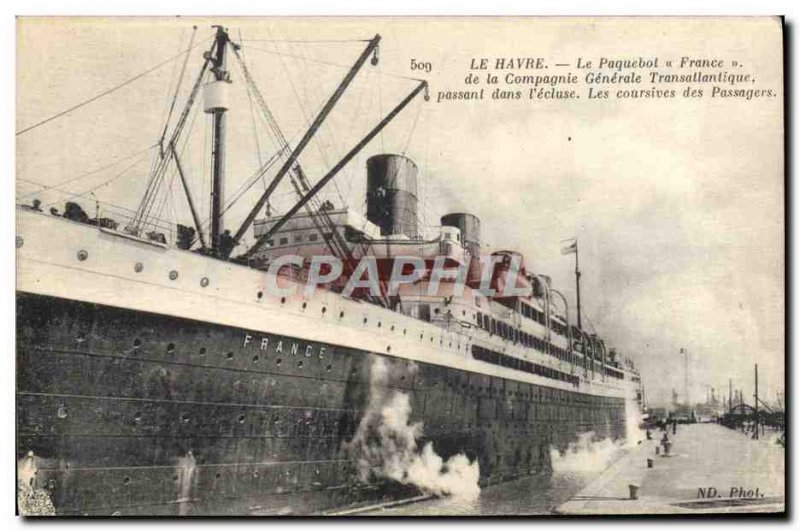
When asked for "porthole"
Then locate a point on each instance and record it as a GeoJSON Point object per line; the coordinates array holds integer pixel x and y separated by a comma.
{"type": "Point", "coordinates": [80, 337]}
{"type": "Point", "coordinates": [202, 351]}
{"type": "Point", "coordinates": [170, 348]}
{"type": "Point", "coordinates": [379, 324]}
{"type": "Point", "coordinates": [62, 411]}
{"type": "Point", "coordinates": [255, 358]}
{"type": "Point", "coordinates": [392, 328]}
{"type": "Point", "coordinates": [299, 364]}
{"type": "Point", "coordinates": [305, 305]}
{"type": "Point", "coordinates": [259, 295]}
{"type": "Point", "coordinates": [185, 418]}
{"type": "Point", "coordinates": [138, 267]}
{"type": "Point", "coordinates": [341, 314]}
{"type": "Point", "coordinates": [137, 343]}
{"type": "Point", "coordinates": [173, 275]}
{"type": "Point", "coordinates": [203, 281]}
{"type": "Point", "coordinates": [175, 477]}
{"type": "Point", "coordinates": [19, 242]}
{"type": "Point", "coordinates": [137, 416]}
{"type": "Point", "coordinates": [278, 361]}
{"type": "Point", "coordinates": [241, 419]}
{"type": "Point", "coordinates": [218, 475]}
{"type": "Point", "coordinates": [324, 309]}
{"type": "Point", "coordinates": [126, 480]}
{"type": "Point", "coordinates": [365, 320]}
{"type": "Point", "coordinates": [388, 348]}
{"type": "Point", "coordinates": [328, 368]}
{"type": "Point", "coordinates": [283, 300]}
{"type": "Point", "coordinates": [82, 255]}
{"type": "Point", "coordinates": [404, 331]}
{"type": "Point", "coordinates": [229, 355]}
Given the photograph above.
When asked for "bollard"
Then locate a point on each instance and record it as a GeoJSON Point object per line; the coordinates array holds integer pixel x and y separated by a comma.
{"type": "Point", "coordinates": [667, 446]}
{"type": "Point", "coordinates": [649, 462]}
{"type": "Point", "coordinates": [658, 450]}
{"type": "Point", "coordinates": [634, 491]}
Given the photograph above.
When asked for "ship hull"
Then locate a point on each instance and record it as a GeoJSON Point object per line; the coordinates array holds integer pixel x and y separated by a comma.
{"type": "Point", "coordinates": [136, 413]}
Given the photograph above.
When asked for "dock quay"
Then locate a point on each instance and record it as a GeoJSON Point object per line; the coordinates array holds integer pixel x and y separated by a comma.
{"type": "Point", "coordinates": [709, 469]}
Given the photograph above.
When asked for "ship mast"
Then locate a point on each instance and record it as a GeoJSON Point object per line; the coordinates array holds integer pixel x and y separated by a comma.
{"type": "Point", "coordinates": [216, 105]}
{"type": "Point", "coordinates": [312, 129]}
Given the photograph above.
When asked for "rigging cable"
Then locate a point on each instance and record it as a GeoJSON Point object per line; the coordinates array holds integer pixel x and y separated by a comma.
{"type": "Point", "coordinates": [155, 178]}
{"type": "Point", "coordinates": [167, 92]}
{"type": "Point", "coordinates": [82, 175]}
{"type": "Point", "coordinates": [168, 87]}
{"type": "Point", "coordinates": [325, 129]}
{"type": "Point", "coordinates": [150, 215]}
{"type": "Point", "coordinates": [177, 88]}
{"type": "Point", "coordinates": [322, 41]}
{"type": "Point", "coordinates": [413, 127]}
{"type": "Point", "coordinates": [92, 189]}
{"type": "Point", "coordinates": [297, 177]}
{"type": "Point", "coordinates": [329, 63]}
{"type": "Point", "coordinates": [253, 118]}
{"type": "Point", "coordinates": [317, 214]}
{"type": "Point", "coordinates": [104, 93]}
{"type": "Point", "coordinates": [258, 175]}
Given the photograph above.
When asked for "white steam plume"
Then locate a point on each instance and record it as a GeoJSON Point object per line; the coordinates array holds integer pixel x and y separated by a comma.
{"type": "Point", "coordinates": [587, 454]}
{"type": "Point", "coordinates": [386, 446]}
{"type": "Point", "coordinates": [634, 418]}
{"type": "Point", "coordinates": [591, 454]}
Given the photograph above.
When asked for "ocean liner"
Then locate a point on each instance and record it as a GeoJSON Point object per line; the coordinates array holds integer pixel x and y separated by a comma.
{"type": "Point", "coordinates": [161, 372]}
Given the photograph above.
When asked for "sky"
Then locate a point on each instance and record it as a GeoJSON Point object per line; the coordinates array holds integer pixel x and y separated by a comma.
{"type": "Point", "coordinates": [677, 205]}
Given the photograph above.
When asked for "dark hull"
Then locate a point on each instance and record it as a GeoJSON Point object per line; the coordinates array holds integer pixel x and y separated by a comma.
{"type": "Point", "coordinates": [135, 413]}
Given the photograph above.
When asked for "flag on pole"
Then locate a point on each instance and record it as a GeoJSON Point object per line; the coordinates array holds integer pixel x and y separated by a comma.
{"type": "Point", "coordinates": [570, 248]}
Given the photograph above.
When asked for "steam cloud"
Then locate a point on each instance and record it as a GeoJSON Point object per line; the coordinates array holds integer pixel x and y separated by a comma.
{"type": "Point", "coordinates": [386, 446]}
{"type": "Point", "coordinates": [587, 454]}
{"type": "Point", "coordinates": [633, 423]}
{"type": "Point", "coordinates": [591, 454]}
{"type": "Point", "coordinates": [31, 501]}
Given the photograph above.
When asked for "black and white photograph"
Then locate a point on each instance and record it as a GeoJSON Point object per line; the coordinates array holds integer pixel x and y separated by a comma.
{"type": "Point", "coordinates": [399, 266]}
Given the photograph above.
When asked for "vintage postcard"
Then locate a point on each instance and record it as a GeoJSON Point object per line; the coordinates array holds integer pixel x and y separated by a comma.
{"type": "Point", "coordinates": [467, 266]}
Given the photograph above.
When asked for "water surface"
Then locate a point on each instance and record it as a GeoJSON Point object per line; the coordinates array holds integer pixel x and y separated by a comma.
{"type": "Point", "coordinates": [528, 496]}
